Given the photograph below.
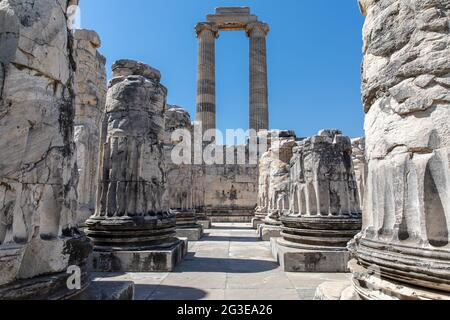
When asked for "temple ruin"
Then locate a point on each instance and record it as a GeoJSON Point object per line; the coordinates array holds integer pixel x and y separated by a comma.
{"type": "Point", "coordinates": [89, 184]}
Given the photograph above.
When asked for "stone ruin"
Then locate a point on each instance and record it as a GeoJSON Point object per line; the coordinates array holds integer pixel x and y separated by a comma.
{"type": "Point", "coordinates": [180, 177]}
{"type": "Point", "coordinates": [133, 228]}
{"type": "Point", "coordinates": [39, 238]}
{"type": "Point", "coordinates": [324, 212]}
{"type": "Point", "coordinates": [83, 158]}
{"type": "Point", "coordinates": [90, 86]}
{"type": "Point", "coordinates": [274, 182]}
{"type": "Point", "coordinates": [403, 251]}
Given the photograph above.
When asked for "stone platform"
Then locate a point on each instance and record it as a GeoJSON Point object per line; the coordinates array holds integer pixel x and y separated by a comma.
{"type": "Point", "coordinates": [306, 260]}
{"type": "Point", "coordinates": [101, 290]}
{"type": "Point", "coordinates": [229, 263]}
{"type": "Point", "coordinates": [267, 232]}
{"type": "Point", "coordinates": [163, 259]}
{"type": "Point", "coordinates": [194, 233]}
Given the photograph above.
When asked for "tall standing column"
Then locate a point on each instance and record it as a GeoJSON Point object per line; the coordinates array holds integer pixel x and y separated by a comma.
{"type": "Point", "coordinates": [207, 34]}
{"type": "Point", "coordinates": [259, 101]}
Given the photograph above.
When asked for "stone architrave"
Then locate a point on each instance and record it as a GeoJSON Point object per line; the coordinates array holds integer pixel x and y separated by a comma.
{"type": "Point", "coordinates": [180, 175]}
{"type": "Point", "coordinates": [325, 212]}
{"type": "Point", "coordinates": [132, 229]}
{"type": "Point", "coordinates": [232, 19]}
{"type": "Point", "coordinates": [275, 182]}
{"type": "Point", "coordinates": [90, 89]}
{"type": "Point", "coordinates": [38, 235]}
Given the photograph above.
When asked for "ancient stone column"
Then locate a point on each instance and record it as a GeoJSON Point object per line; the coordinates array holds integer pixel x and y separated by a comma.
{"type": "Point", "coordinates": [207, 34]}
{"type": "Point", "coordinates": [275, 182]}
{"type": "Point", "coordinates": [325, 213]}
{"type": "Point", "coordinates": [38, 235]}
{"type": "Point", "coordinates": [132, 228]}
{"type": "Point", "coordinates": [90, 88]}
{"type": "Point", "coordinates": [259, 101]}
{"type": "Point", "coordinates": [180, 175]}
{"type": "Point", "coordinates": [403, 251]}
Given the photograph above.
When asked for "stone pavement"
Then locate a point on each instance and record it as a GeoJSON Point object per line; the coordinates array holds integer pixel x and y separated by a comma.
{"type": "Point", "coordinates": [229, 263]}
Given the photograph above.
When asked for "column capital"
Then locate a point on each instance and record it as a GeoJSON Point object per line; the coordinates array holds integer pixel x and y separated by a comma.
{"type": "Point", "coordinates": [202, 26]}
{"type": "Point", "coordinates": [261, 27]}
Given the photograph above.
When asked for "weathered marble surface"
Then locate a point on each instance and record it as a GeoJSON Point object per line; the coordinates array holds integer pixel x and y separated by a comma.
{"type": "Point", "coordinates": [407, 199]}
{"type": "Point", "coordinates": [360, 166]}
{"type": "Point", "coordinates": [132, 193]}
{"type": "Point", "coordinates": [90, 89]}
{"type": "Point", "coordinates": [274, 182]}
{"type": "Point", "coordinates": [38, 176]}
{"type": "Point", "coordinates": [324, 212]}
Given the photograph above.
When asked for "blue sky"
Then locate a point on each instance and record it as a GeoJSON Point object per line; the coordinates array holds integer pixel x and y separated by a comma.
{"type": "Point", "coordinates": [314, 57]}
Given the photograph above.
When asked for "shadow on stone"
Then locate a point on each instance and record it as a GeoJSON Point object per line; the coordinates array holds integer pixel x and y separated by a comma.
{"type": "Point", "coordinates": [231, 228]}
{"type": "Point", "coordinates": [224, 265]}
{"type": "Point", "coordinates": [162, 292]}
{"type": "Point", "coordinates": [232, 239]}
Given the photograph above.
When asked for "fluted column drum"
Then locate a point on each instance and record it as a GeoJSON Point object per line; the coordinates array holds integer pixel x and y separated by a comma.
{"type": "Point", "coordinates": [206, 86]}
{"type": "Point", "coordinates": [132, 208]}
{"type": "Point", "coordinates": [259, 100]}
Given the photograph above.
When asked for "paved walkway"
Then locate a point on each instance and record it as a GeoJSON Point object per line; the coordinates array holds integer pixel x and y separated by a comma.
{"type": "Point", "coordinates": [229, 263]}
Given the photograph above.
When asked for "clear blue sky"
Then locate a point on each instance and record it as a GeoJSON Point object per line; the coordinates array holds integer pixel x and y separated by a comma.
{"type": "Point", "coordinates": [314, 56]}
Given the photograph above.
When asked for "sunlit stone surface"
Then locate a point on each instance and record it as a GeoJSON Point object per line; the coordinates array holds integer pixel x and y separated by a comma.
{"type": "Point", "coordinates": [132, 228]}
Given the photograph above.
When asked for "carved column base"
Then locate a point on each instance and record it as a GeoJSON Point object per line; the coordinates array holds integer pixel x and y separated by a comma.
{"type": "Point", "coordinates": [259, 218]}
{"type": "Point", "coordinates": [383, 270]}
{"type": "Point", "coordinates": [271, 226]}
{"type": "Point", "coordinates": [315, 243]}
{"type": "Point", "coordinates": [135, 244]}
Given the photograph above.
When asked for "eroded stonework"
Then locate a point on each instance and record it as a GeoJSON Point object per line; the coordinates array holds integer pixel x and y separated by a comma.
{"type": "Point", "coordinates": [38, 176]}
{"type": "Point", "coordinates": [274, 181]}
{"type": "Point", "coordinates": [132, 228]}
{"type": "Point", "coordinates": [90, 88]}
{"type": "Point", "coordinates": [324, 210]}
{"type": "Point", "coordinates": [360, 166]}
{"type": "Point", "coordinates": [407, 199]}
{"type": "Point", "coordinates": [226, 192]}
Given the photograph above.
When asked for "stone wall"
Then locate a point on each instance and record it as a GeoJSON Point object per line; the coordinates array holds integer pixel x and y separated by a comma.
{"type": "Point", "coordinates": [38, 176]}
{"type": "Point", "coordinates": [405, 89]}
{"type": "Point", "coordinates": [226, 191]}
{"type": "Point", "coordinates": [90, 89]}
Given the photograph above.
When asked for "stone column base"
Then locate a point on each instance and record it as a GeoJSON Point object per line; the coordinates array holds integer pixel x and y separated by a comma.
{"type": "Point", "coordinates": [155, 260]}
{"type": "Point", "coordinates": [193, 233]}
{"type": "Point", "coordinates": [266, 232]}
{"type": "Point", "coordinates": [321, 259]}
{"type": "Point", "coordinates": [369, 286]}
{"type": "Point", "coordinates": [256, 222]}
